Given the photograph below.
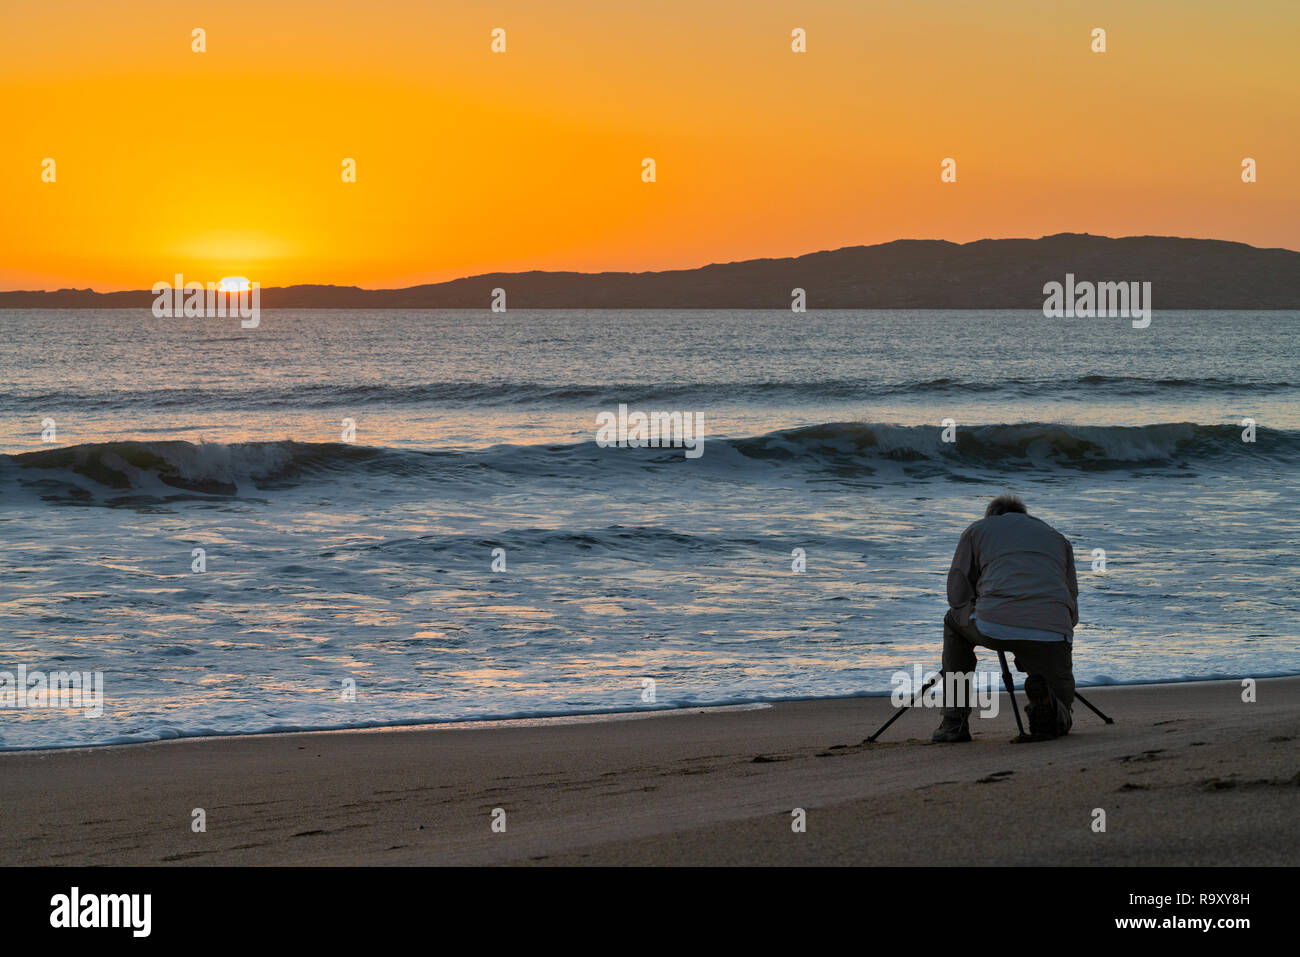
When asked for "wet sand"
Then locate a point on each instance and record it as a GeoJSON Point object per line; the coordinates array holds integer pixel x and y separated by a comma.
{"type": "Point", "coordinates": [1188, 775]}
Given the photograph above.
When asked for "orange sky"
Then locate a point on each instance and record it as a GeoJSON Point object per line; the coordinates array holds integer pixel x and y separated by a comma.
{"type": "Point", "coordinates": [228, 162]}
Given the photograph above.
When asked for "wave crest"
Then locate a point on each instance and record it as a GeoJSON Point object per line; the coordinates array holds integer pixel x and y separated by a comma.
{"type": "Point", "coordinates": [213, 468]}
{"type": "Point", "coordinates": [527, 393]}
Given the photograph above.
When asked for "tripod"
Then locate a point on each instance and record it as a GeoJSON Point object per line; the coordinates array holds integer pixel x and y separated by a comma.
{"type": "Point", "coordinates": [1011, 692]}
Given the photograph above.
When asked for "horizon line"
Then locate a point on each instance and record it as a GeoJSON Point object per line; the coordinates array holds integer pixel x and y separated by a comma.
{"type": "Point", "coordinates": [651, 272]}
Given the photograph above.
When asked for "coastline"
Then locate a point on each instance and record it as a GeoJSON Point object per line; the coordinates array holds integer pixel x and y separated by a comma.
{"type": "Point", "coordinates": [1189, 774]}
{"type": "Point", "coordinates": [548, 719]}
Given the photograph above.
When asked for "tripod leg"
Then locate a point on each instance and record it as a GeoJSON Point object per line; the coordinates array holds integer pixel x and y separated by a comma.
{"type": "Point", "coordinates": [1011, 690]}
{"type": "Point", "coordinates": [1093, 709]}
{"type": "Point", "coordinates": [899, 713]}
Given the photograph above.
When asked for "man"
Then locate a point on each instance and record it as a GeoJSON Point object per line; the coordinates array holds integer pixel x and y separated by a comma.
{"type": "Point", "coordinates": [1012, 587]}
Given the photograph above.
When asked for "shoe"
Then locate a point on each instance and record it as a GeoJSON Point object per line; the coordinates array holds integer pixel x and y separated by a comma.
{"type": "Point", "coordinates": [952, 731]}
{"type": "Point", "coordinates": [1041, 710]}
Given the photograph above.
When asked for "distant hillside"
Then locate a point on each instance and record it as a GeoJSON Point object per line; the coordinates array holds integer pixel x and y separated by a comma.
{"type": "Point", "coordinates": [908, 273]}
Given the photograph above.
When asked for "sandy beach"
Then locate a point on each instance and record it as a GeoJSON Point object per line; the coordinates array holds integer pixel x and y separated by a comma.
{"type": "Point", "coordinates": [1188, 775]}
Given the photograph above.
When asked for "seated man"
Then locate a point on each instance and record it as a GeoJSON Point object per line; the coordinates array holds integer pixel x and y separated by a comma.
{"type": "Point", "coordinates": [1012, 587]}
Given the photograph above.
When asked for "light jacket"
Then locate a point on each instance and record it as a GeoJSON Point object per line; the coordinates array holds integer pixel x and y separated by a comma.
{"type": "Point", "coordinates": [1016, 570]}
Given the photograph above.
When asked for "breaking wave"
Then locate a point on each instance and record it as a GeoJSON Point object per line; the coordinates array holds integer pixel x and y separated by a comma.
{"type": "Point", "coordinates": [217, 469]}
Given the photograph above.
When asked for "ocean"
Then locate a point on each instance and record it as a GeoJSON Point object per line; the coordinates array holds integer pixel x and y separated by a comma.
{"type": "Point", "coordinates": [404, 517]}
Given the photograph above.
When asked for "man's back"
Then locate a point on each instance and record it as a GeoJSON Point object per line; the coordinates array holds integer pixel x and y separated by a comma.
{"type": "Point", "coordinates": [1018, 571]}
